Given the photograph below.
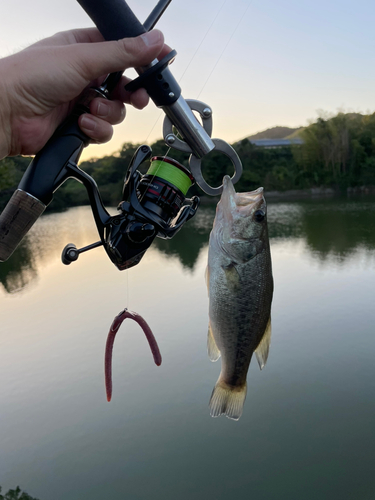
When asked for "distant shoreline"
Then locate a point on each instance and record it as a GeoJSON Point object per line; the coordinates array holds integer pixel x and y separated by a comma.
{"type": "Point", "coordinates": [320, 192]}
{"type": "Point", "coordinates": [295, 194]}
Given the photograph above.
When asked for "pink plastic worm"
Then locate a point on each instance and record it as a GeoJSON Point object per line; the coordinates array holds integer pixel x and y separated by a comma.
{"type": "Point", "coordinates": [117, 322]}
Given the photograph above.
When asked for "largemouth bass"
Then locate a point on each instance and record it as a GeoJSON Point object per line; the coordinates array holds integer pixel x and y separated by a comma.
{"type": "Point", "coordinates": [240, 288]}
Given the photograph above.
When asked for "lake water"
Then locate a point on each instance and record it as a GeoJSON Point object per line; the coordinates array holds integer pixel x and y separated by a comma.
{"type": "Point", "coordinates": [307, 430]}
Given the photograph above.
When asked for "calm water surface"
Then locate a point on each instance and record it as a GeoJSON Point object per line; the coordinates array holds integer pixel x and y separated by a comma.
{"type": "Point", "coordinates": [307, 431]}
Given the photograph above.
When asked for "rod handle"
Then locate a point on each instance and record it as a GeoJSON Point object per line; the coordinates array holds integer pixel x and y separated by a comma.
{"type": "Point", "coordinates": [113, 18]}
{"type": "Point", "coordinates": [16, 219]}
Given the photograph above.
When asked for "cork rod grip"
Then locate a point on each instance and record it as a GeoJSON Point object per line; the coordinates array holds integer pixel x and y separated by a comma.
{"type": "Point", "coordinates": [16, 219]}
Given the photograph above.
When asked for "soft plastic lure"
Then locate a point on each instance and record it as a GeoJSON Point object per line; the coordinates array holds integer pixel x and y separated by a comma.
{"type": "Point", "coordinates": [117, 322]}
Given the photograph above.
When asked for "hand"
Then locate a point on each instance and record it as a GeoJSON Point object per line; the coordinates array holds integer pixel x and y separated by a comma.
{"type": "Point", "coordinates": [40, 85]}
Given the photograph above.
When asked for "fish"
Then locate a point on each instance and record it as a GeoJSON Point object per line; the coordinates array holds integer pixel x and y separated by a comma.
{"type": "Point", "coordinates": [240, 288]}
{"type": "Point", "coordinates": [117, 322]}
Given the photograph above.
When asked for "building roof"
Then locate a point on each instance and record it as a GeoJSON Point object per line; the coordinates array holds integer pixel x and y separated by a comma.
{"type": "Point", "coordinates": [274, 143]}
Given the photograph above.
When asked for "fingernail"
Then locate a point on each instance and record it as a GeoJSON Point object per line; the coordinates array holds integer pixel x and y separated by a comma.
{"type": "Point", "coordinates": [88, 123]}
{"type": "Point", "coordinates": [102, 110]}
{"type": "Point", "coordinates": [151, 37]}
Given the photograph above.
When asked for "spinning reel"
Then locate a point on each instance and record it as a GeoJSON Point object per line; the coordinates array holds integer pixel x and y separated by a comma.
{"type": "Point", "coordinates": [152, 205]}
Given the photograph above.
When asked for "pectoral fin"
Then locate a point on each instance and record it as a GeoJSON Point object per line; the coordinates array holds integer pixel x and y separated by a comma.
{"type": "Point", "coordinates": [212, 349]}
{"type": "Point", "coordinates": [263, 348]}
{"type": "Point", "coordinates": [232, 276]}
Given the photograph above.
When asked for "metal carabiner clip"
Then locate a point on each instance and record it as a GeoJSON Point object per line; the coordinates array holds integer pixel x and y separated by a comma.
{"type": "Point", "coordinates": [196, 167]}
{"type": "Point", "coordinates": [195, 160]}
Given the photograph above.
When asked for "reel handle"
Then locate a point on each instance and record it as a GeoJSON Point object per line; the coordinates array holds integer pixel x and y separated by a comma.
{"type": "Point", "coordinates": [113, 18]}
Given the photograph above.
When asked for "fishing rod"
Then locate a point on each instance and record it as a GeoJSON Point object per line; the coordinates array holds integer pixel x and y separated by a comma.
{"type": "Point", "coordinates": [152, 205]}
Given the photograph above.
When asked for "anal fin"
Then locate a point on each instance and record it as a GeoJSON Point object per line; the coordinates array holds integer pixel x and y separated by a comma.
{"type": "Point", "coordinates": [212, 349]}
{"type": "Point", "coordinates": [263, 348]}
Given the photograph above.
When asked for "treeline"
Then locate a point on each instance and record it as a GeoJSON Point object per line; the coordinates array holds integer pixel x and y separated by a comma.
{"type": "Point", "coordinates": [338, 152]}
{"type": "Point", "coordinates": [16, 494]}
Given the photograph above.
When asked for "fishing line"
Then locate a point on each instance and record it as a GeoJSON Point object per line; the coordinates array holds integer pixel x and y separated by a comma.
{"type": "Point", "coordinates": [225, 47]}
{"type": "Point", "coordinates": [155, 171]}
{"type": "Point", "coordinates": [127, 287]}
{"type": "Point", "coordinates": [191, 60]}
{"type": "Point", "coordinates": [183, 74]}
{"type": "Point", "coordinates": [203, 39]}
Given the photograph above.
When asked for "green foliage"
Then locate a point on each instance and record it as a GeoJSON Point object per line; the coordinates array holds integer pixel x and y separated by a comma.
{"type": "Point", "coordinates": [274, 168]}
{"type": "Point", "coordinates": [7, 174]}
{"type": "Point", "coordinates": [11, 171]}
{"type": "Point", "coordinates": [338, 151]}
{"type": "Point", "coordinates": [16, 494]}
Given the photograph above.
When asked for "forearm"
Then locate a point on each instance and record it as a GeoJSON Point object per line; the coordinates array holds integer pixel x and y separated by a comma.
{"type": "Point", "coordinates": [4, 142]}
{"type": "Point", "coordinates": [3, 149]}
{"type": "Point", "coordinates": [5, 118]}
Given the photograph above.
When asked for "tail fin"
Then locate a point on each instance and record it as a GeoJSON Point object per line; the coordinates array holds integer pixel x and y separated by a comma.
{"type": "Point", "coordinates": [227, 400]}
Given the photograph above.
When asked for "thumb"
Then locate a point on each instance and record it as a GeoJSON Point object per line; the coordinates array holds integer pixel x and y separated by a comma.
{"type": "Point", "coordinates": [95, 59]}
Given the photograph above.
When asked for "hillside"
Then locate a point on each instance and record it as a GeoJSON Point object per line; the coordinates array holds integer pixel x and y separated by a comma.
{"type": "Point", "coordinates": [276, 133]}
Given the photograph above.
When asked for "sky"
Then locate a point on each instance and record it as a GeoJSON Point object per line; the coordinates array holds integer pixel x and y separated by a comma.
{"type": "Point", "coordinates": [256, 63]}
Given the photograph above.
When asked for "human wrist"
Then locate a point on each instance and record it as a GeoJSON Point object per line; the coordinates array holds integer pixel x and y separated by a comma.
{"type": "Point", "coordinates": [4, 137]}
{"type": "Point", "coordinates": [4, 151]}
{"type": "Point", "coordinates": [5, 119]}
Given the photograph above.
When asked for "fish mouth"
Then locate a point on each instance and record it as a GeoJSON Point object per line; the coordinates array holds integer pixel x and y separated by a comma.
{"type": "Point", "coordinates": [249, 203]}
{"type": "Point", "coordinates": [250, 198]}
{"type": "Point", "coordinates": [243, 203]}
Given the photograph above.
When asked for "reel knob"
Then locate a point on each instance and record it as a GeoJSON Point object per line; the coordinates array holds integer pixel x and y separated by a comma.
{"type": "Point", "coordinates": [69, 254]}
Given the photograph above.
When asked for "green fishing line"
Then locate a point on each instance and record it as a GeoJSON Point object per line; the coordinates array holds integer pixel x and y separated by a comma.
{"type": "Point", "coordinates": [171, 174]}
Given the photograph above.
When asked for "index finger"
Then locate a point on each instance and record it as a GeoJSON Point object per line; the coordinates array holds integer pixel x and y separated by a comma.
{"type": "Point", "coordinates": [83, 35]}
{"type": "Point", "coordinates": [139, 98]}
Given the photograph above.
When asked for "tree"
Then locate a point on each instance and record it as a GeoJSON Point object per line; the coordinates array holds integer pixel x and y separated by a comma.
{"type": "Point", "coordinates": [16, 494]}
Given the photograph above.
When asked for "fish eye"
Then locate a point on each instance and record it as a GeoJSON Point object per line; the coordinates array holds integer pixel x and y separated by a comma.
{"type": "Point", "coordinates": [259, 215]}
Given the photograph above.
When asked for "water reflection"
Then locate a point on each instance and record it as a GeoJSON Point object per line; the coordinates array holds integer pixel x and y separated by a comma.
{"type": "Point", "coordinates": [338, 230]}
{"type": "Point", "coordinates": [18, 271]}
{"type": "Point", "coordinates": [44, 244]}
{"type": "Point", "coordinates": [308, 423]}
{"type": "Point", "coordinates": [330, 228]}
{"type": "Point", "coordinates": [188, 242]}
